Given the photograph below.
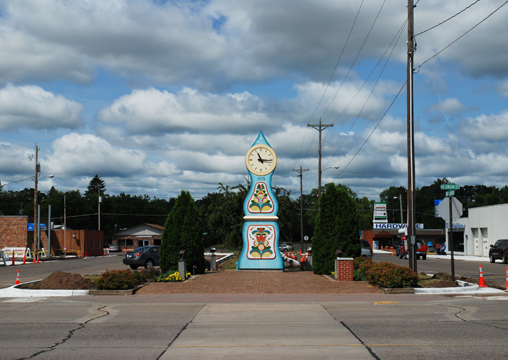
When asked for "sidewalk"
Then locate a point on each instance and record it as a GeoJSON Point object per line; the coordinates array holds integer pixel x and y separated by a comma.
{"type": "Point", "coordinates": [445, 257]}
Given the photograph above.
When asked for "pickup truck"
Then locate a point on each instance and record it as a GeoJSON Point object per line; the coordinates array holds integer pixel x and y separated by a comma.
{"type": "Point", "coordinates": [421, 251]}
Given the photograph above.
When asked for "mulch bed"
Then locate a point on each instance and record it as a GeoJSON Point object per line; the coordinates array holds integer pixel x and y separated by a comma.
{"type": "Point", "coordinates": [60, 280]}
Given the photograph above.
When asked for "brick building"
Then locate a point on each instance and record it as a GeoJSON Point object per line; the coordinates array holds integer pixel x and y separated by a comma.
{"type": "Point", "coordinates": [15, 232]}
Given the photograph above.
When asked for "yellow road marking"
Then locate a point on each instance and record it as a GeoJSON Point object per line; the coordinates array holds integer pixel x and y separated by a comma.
{"type": "Point", "coordinates": [320, 345]}
{"type": "Point", "coordinates": [384, 302]}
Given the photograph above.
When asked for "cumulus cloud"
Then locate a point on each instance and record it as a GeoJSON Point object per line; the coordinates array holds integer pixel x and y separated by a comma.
{"type": "Point", "coordinates": [33, 107]}
{"type": "Point", "coordinates": [79, 154]}
{"type": "Point", "coordinates": [486, 128]}
{"type": "Point", "coordinates": [502, 89]}
{"type": "Point", "coordinates": [153, 111]}
{"type": "Point", "coordinates": [14, 160]}
{"type": "Point", "coordinates": [449, 106]}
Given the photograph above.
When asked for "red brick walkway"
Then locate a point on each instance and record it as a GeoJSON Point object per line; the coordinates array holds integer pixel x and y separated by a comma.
{"type": "Point", "coordinates": [243, 282]}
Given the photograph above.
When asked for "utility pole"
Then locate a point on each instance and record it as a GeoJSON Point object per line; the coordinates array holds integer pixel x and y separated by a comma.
{"type": "Point", "coordinates": [36, 223]}
{"type": "Point", "coordinates": [319, 127]}
{"type": "Point", "coordinates": [300, 175]}
{"type": "Point", "coordinates": [99, 207]}
{"type": "Point", "coordinates": [411, 226]}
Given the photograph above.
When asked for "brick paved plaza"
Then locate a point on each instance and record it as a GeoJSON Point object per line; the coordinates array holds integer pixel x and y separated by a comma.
{"type": "Point", "coordinates": [258, 282]}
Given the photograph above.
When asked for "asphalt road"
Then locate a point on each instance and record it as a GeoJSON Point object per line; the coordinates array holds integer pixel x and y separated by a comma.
{"type": "Point", "coordinates": [494, 272]}
{"type": "Point", "coordinates": [448, 328]}
{"type": "Point", "coordinates": [86, 266]}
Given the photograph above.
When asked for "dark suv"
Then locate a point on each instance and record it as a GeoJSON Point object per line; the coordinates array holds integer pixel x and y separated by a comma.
{"type": "Point", "coordinates": [499, 251]}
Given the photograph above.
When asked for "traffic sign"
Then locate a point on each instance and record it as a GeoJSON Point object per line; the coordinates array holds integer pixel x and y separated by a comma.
{"type": "Point", "coordinates": [306, 238]}
{"type": "Point", "coordinates": [403, 237]}
{"type": "Point", "coordinates": [450, 187]}
{"type": "Point", "coordinates": [450, 193]}
{"type": "Point", "coordinates": [444, 209]}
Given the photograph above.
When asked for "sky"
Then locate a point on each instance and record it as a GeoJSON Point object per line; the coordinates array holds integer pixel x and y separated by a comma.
{"type": "Point", "coordinates": [158, 96]}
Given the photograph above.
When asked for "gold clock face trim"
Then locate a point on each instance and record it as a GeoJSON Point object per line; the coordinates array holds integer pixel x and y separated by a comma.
{"type": "Point", "coordinates": [261, 160]}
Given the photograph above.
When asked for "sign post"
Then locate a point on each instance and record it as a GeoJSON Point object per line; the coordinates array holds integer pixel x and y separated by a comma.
{"type": "Point", "coordinates": [451, 191]}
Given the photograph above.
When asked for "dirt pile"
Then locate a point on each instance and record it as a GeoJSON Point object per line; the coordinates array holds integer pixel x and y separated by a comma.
{"type": "Point", "coordinates": [60, 280]}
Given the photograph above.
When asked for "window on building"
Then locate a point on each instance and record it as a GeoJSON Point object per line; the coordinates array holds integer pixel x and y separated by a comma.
{"type": "Point", "coordinates": [126, 242]}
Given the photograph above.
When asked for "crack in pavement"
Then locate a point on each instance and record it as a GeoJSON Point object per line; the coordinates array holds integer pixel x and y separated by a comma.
{"type": "Point", "coordinates": [352, 333]}
{"type": "Point", "coordinates": [476, 322]}
{"type": "Point", "coordinates": [71, 333]}
{"type": "Point", "coordinates": [181, 331]}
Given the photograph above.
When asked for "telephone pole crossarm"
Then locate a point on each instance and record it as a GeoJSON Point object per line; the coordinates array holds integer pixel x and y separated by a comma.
{"type": "Point", "coordinates": [319, 127]}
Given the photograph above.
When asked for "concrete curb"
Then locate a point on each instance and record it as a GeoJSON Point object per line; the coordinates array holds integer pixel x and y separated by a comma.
{"type": "Point", "coordinates": [15, 292]}
{"type": "Point", "coordinates": [116, 292]}
{"type": "Point", "coordinates": [468, 290]}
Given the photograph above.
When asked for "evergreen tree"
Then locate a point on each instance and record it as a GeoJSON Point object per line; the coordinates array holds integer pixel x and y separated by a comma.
{"type": "Point", "coordinates": [183, 231]}
{"type": "Point", "coordinates": [95, 185]}
{"type": "Point", "coordinates": [336, 228]}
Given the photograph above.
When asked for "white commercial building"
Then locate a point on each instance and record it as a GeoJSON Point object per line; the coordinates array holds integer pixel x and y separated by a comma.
{"type": "Point", "coordinates": [474, 234]}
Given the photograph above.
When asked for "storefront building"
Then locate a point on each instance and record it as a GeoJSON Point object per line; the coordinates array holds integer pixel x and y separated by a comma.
{"type": "Point", "coordinates": [137, 236]}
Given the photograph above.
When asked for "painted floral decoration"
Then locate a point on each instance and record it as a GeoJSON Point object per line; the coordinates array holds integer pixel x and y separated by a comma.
{"type": "Point", "coordinates": [260, 199]}
{"type": "Point", "coordinates": [261, 247]}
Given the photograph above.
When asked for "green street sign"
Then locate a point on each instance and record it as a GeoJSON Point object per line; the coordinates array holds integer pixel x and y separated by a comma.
{"type": "Point", "coordinates": [450, 193]}
{"type": "Point", "coordinates": [450, 187]}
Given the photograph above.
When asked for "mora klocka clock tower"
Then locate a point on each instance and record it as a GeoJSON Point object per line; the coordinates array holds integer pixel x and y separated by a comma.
{"type": "Point", "coordinates": [260, 233]}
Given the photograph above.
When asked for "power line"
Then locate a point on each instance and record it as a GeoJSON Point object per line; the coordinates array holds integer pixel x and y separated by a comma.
{"type": "Point", "coordinates": [329, 81]}
{"type": "Point", "coordinates": [394, 42]}
{"type": "Point", "coordinates": [338, 61]}
{"type": "Point", "coordinates": [460, 37]}
{"type": "Point", "coordinates": [374, 129]}
{"type": "Point", "coordinates": [451, 17]}
{"type": "Point", "coordinates": [354, 61]}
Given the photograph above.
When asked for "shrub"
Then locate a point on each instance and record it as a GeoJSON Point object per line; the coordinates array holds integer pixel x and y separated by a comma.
{"type": "Point", "coordinates": [358, 276]}
{"type": "Point", "coordinates": [120, 280]}
{"type": "Point", "coordinates": [359, 260]}
{"type": "Point", "coordinates": [151, 274]}
{"type": "Point", "coordinates": [386, 274]}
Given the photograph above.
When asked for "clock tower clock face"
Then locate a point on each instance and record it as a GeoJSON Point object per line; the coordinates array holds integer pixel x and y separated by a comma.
{"type": "Point", "coordinates": [261, 160]}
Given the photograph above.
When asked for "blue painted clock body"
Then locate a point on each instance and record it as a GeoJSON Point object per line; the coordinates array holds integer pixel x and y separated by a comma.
{"type": "Point", "coordinates": [260, 232]}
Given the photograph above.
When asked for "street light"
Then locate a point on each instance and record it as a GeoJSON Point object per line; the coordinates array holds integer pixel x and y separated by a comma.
{"type": "Point", "coordinates": [401, 216]}
{"type": "Point", "coordinates": [319, 187]}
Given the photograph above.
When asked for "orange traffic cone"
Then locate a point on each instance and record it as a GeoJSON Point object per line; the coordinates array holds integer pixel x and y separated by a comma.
{"type": "Point", "coordinates": [506, 280]}
{"type": "Point", "coordinates": [393, 253]}
{"type": "Point", "coordinates": [38, 259]}
{"type": "Point", "coordinates": [18, 281]}
{"type": "Point", "coordinates": [481, 281]}
{"type": "Point", "coordinates": [34, 259]}
{"type": "Point", "coordinates": [13, 257]}
{"type": "Point", "coordinates": [85, 253]}
{"type": "Point", "coordinates": [24, 258]}
{"type": "Point", "coordinates": [104, 252]}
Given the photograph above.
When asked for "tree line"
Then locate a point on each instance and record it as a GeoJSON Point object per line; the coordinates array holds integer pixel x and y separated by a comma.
{"type": "Point", "coordinates": [221, 212]}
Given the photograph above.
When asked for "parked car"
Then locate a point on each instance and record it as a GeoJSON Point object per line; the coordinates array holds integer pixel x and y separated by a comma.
{"type": "Point", "coordinates": [114, 248]}
{"type": "Point", "coordinates": [366, 249]}
{"type": "Point", "coordinates": [499, 251]}
{"type": "Point", "coordinates": [147, 256]}
{"type": "Point", "coordinates": [284, 248]}
{"type": "Point", "coordinates": [290, 245]}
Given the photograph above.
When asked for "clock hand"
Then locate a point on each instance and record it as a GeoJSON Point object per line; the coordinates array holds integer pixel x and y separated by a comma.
{"type": "Point", "coordinates": [262, 160]}
{"type": "Point", "coordinates": [259, 156]}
